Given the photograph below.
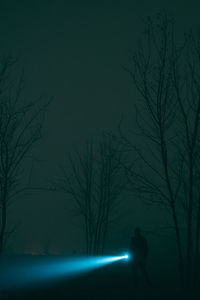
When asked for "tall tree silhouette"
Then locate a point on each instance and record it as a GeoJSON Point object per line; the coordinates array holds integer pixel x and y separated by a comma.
{"type": "Point", "coordinates": [20, 128]}
{"type": "Point", "coordinates": [166, 73]}
{"type": "Point", "coordinates": [95, 181]}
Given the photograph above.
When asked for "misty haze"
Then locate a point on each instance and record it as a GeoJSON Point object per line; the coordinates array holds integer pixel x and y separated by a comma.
{"type": "Point", "coordinates": [99, 149]}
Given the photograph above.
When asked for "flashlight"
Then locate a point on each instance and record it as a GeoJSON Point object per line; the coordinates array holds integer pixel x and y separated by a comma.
{"type": "Point", "coordinates": [126, 256]}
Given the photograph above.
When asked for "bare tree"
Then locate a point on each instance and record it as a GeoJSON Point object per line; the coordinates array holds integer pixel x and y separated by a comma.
{"type": "Point", "coordinates": [95, 182]}
{"type": "Point", "coordinates": [166, 74]}
{"type": "Point", "coordinates": [20, 128]}
{"type": "Point", "coordinates": [187, 89]}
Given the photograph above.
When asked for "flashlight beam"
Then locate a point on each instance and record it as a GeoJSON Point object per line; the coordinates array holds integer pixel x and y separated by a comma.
{"type": "Point", "coordinates": [35, 271]}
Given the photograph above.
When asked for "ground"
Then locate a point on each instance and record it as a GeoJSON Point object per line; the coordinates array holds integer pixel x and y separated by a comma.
{"type": "Point", "coordinates": [111, 282]}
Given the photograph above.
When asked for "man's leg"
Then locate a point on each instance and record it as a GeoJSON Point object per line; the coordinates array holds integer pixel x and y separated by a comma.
{"type": "Point", "coordinates": [134, 268]}
{"type": "Point", "coordinates": [144, 272]}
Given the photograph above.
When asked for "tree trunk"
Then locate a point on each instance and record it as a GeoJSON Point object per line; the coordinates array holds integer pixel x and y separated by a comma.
{"type": "Point", "coordinates": [3, 227]}
{"type": "Point", "coordinates": [178, 240]}
{"type": "Point", "coordinates": [3, 217]}
{"type": "Point", "coordinates": [189, 223]}
{"type": "Point", "coordinates": [196, 259]}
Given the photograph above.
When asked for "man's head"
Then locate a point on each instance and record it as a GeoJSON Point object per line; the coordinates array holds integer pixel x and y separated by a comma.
{"type": "Point", "coordinates": [137, 231]}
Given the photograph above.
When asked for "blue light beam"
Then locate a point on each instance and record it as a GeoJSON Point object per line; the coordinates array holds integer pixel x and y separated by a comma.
{"type": "Point", "coordinates": [30, 271]}
{"type": "Point", "coordinates": [126, 256]}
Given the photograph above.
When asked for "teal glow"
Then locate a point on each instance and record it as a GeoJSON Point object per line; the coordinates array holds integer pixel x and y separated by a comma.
{"type": "Point", "coordinates": [126, 256]}
{"type": "Point", "coordinates": [20, 272]}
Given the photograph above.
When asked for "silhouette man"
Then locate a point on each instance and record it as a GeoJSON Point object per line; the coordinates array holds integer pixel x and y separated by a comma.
{"type": "Point", "coordinates": [138, 252]}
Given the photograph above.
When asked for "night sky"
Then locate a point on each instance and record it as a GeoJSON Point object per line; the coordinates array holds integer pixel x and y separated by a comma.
{"type": "Point", "coordinates": [74, 51]}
